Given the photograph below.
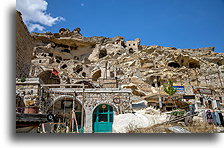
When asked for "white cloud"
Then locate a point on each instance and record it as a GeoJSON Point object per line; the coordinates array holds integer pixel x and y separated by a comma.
{"type": "Point", "coordinates": [34, 11]}
{"type": "Point", "coordinates": [33, 27]}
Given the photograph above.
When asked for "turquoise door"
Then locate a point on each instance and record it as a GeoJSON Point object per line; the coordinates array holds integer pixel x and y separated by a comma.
{"type": "Point", "coordinates": [103, 119]}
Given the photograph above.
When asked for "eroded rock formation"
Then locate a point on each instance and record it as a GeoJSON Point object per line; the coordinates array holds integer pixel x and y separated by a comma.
{"type": "Point", "coordinates": [24, 48]}
{"type": "Point", "coordinates": [142, 68]}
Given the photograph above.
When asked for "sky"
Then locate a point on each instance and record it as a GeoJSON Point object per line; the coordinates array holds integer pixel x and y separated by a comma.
{"type": "Point", "coordinates": [170, 23]}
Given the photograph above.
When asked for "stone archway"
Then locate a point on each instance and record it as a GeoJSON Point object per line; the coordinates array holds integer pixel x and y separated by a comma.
{"type": "Point", "coordinates": [62, 107]}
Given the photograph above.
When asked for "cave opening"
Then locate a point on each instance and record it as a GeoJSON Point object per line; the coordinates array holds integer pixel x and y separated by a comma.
{"type": "Point", "coordinates": [174, 65]}
{"type": "Point", "coordinates": [65, 50]}
{"type": "Point", "coordinates": [64, 66]}
{"type": "Point", "coordinates": [84, 74]}
{"type": "Point", "coordinates": [194, 65]}
{"type": "Point", "coordinates": [103, 53]}
{"type": "Point", "coordinates": [158, 84]}
{"type": "Point", "coordinates": [96, 75]}
{"type": "Point", "coordinates": [48, 78]}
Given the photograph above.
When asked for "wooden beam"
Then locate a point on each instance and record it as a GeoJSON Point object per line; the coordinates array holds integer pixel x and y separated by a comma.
{"type": "Point", "coordinates": [83, 97]}
{"type": "Point", "coordinates": [52, 85]}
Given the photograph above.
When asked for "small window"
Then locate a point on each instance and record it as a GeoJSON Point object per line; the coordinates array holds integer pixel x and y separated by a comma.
{"type": "Point", "coordinates": [50, 54]}
{"type": "Point", "coordinates": [64, 66]}
{"type": "Point", "coordinates": [58, 61]}
{"type": "Point", "coordinates": [103, 118]}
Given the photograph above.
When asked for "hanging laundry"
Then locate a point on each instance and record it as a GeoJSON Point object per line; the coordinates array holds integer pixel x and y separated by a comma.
{"type": "Point", "coordinates": [214, 104]}
{"type": "Point", "coordinates": [217, 118]}
{"type": "Point", "coordinates": [214, 117]}
{"type": "Point", "coordinates": [221, 119]}
{"type": "Point", "coordinates": [204, 116]}
{"type": "Point", "coordinates": [209, 117]}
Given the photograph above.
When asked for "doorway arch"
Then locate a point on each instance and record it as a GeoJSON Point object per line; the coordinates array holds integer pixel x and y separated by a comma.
{"type": "Point", "coordinates": [131, 51]}
{"type": "Point", "coordinates": [103, 117]}
{"type": "Point", "coordinates": [62, 109]}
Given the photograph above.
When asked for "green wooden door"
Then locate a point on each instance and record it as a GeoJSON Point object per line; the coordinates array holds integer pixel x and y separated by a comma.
{"type": "Point", "coordinates": [103, 119]}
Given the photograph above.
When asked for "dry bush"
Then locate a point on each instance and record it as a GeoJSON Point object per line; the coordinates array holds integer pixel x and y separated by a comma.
{"type": "Point", "coordinates": [201, 127]}
{"type": "Point", "coordinates": [153, 129]}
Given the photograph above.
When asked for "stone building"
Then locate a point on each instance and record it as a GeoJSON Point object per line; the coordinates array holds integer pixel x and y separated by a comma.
{"type": "Point", "coordinates": [133, 46]}
{"type": "Point", "coordinates": [61, 101]}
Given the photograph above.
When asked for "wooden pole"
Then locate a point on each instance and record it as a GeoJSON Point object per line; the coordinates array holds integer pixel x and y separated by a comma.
{"type": "Point", "coordinates": [74, 117]}
{"type": "Point", "coordinates": [83, 97]}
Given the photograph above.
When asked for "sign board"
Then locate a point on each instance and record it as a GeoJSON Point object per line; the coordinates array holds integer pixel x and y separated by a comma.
{"type": "Point", "coordinates": [180, 89]}
{"type": "Point", "coordinates": [198, 90]}
{"type": "Point", "coordinates": [189, 97]}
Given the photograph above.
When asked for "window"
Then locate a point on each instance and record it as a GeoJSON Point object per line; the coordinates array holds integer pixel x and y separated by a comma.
{"type": "Point", "coordinates": [103, 118]}
{"type": "Point", "coordinates": [64, 66]}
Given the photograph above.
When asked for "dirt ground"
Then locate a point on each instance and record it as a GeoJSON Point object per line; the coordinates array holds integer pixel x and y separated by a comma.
{"type": "Point", "coordinates": [196, 127]}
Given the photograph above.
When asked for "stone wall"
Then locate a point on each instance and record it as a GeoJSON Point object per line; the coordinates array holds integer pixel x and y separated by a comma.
{"type": "Point", "coordinates": [28, 91]}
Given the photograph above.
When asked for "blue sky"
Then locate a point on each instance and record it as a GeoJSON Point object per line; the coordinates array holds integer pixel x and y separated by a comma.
{"type": "Point", "coordinates": [170, 23]}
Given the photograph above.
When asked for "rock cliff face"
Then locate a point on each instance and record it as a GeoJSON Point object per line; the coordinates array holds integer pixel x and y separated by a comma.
{"type": "Point", "coordinates": [142, 68]}
{"type": "Point", "coordinates": [24, 48]}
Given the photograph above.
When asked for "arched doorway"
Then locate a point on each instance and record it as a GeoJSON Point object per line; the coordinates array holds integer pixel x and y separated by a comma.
{"type": "Point", "coordinates": [62, 110]}
{"type": "Point", "coordinates": [103, 117]}
{"type": "Point", "coordinates": [131, 51]}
